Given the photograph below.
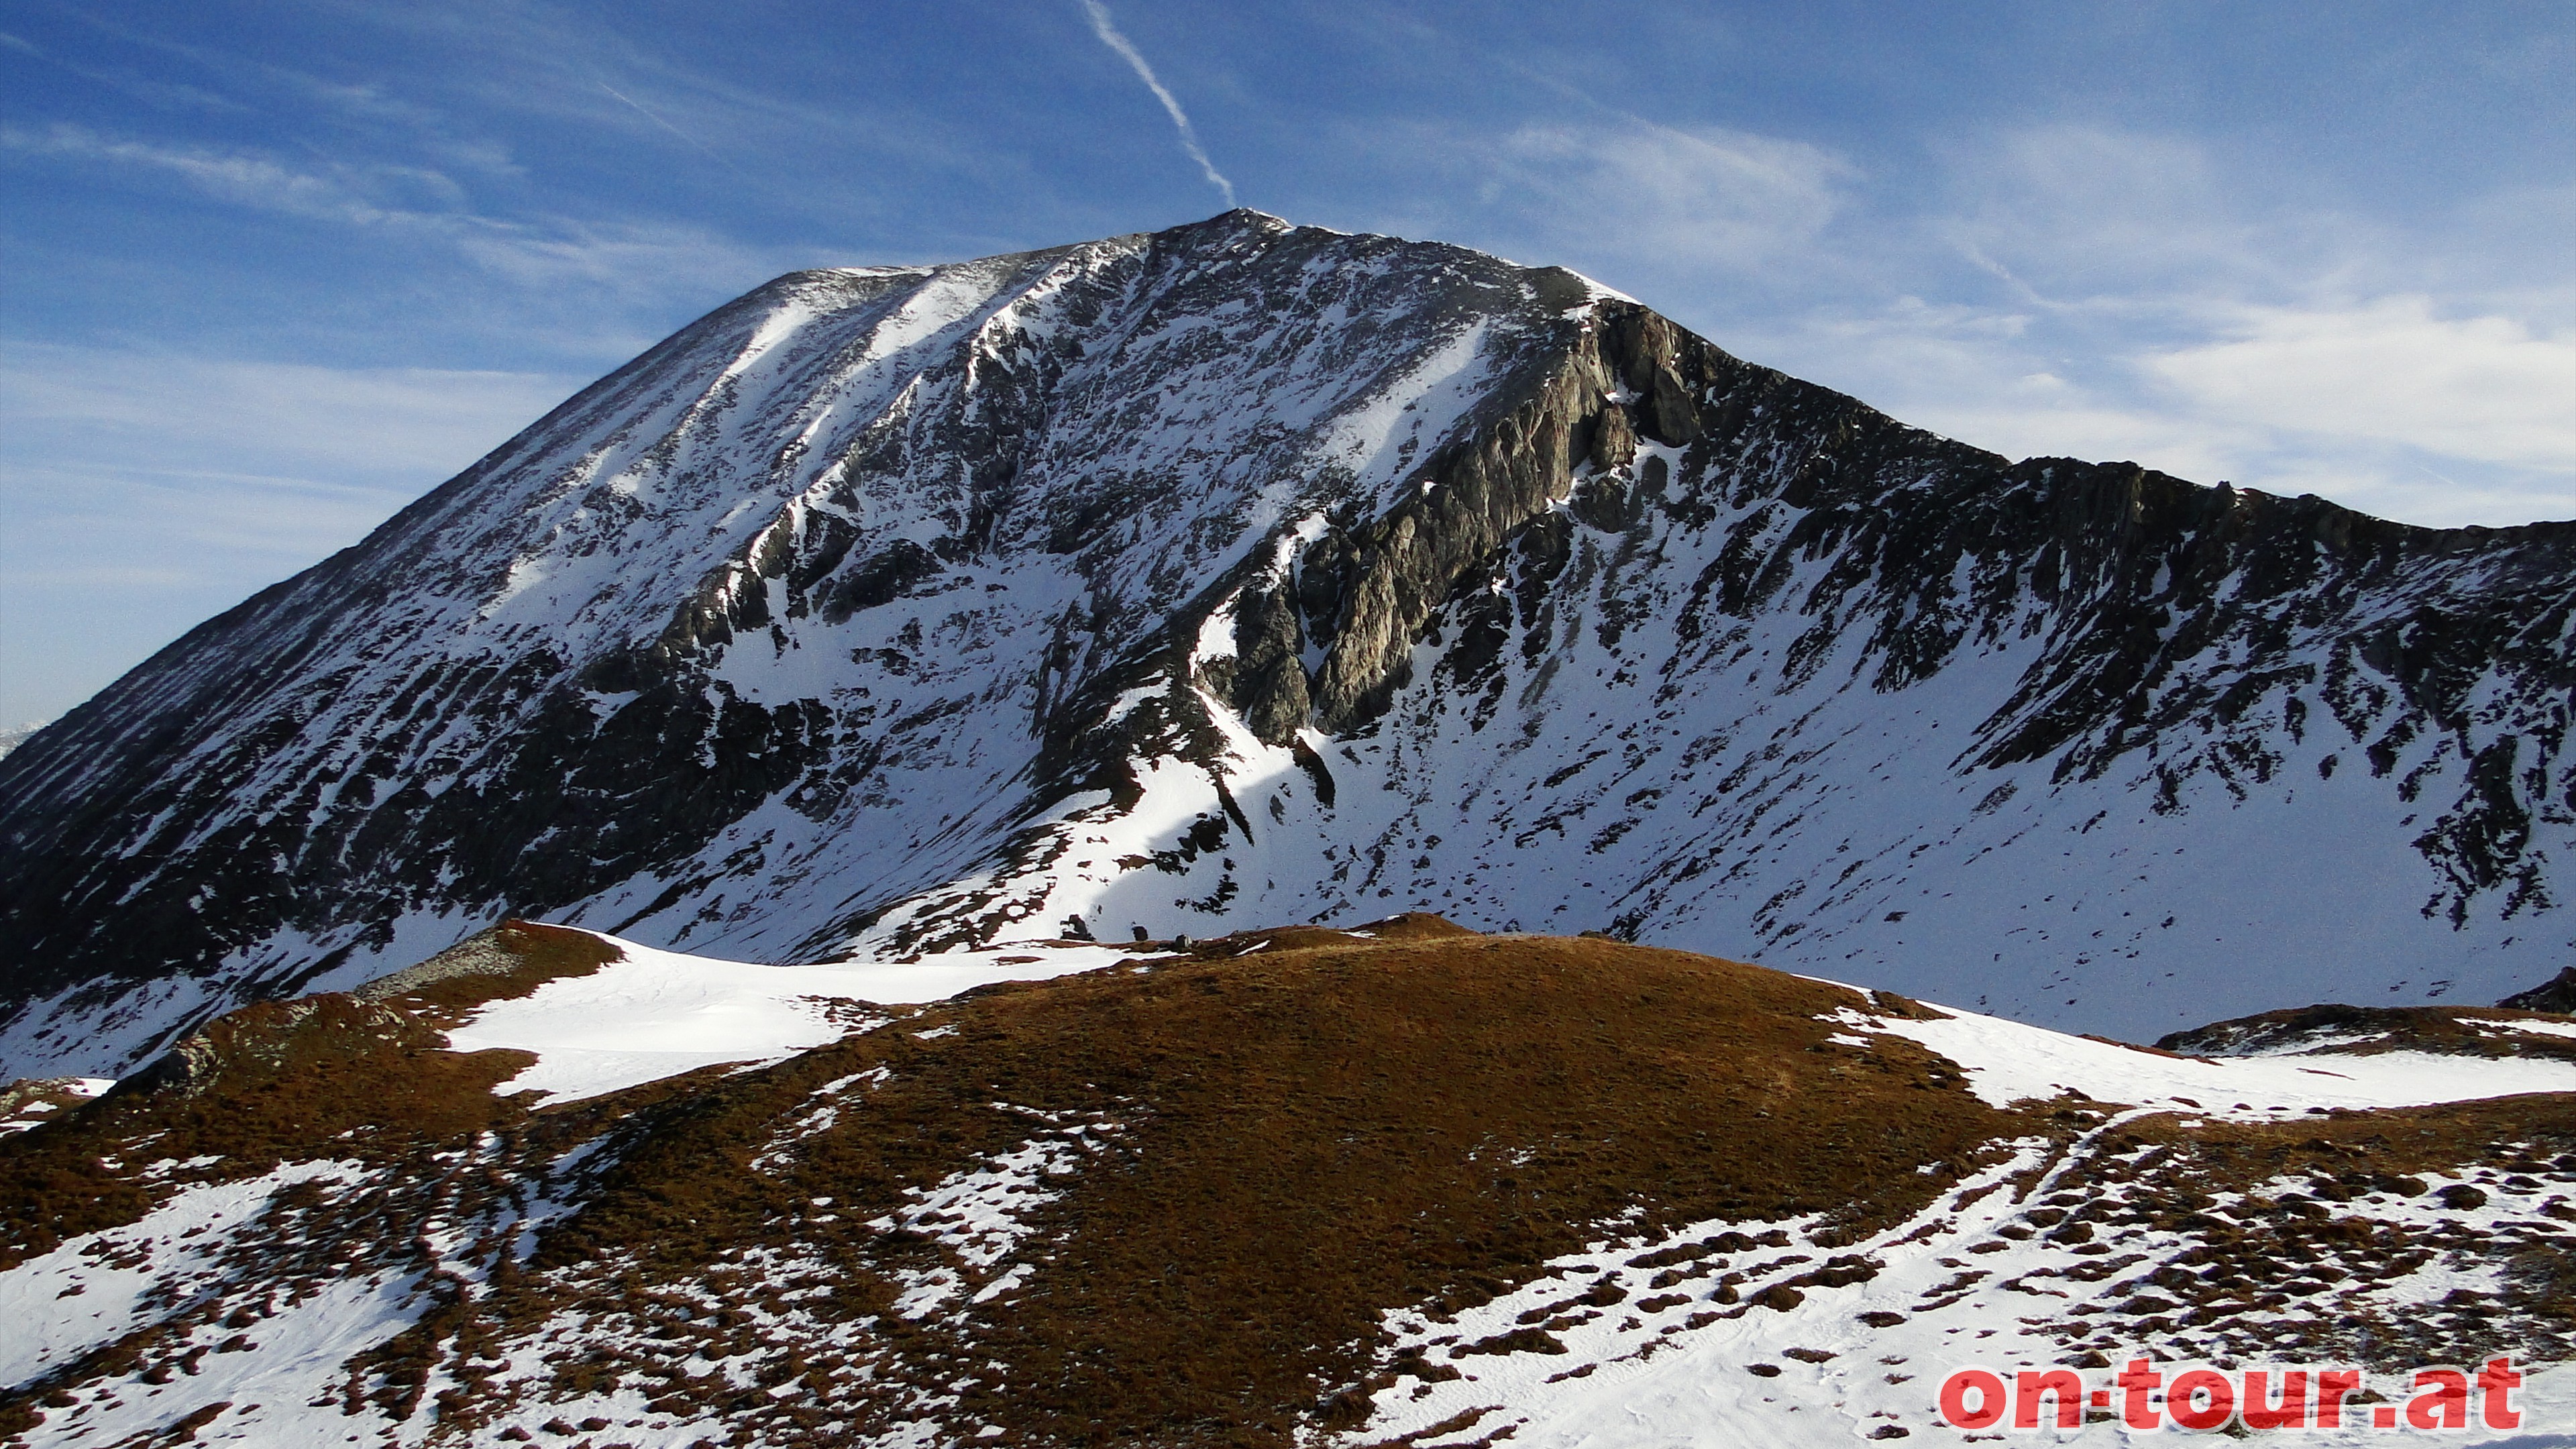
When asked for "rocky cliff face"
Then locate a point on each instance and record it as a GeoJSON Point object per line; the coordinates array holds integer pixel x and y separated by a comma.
{"type": "Point", "coordinates": [1247, 572]}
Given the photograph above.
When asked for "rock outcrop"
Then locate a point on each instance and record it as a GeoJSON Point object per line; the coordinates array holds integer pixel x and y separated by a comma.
{"type": "Point", "coordinates": [2556, 995]}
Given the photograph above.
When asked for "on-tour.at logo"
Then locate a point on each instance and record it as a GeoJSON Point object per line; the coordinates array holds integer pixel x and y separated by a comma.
{"type": "Point", "coordinates": [2199, 1397]}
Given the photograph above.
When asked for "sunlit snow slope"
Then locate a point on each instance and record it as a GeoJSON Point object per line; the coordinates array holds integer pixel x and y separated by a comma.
{"type": "Point", "coordinates": [1248, 572]}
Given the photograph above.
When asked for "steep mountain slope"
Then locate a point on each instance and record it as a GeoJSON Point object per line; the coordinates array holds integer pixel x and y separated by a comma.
{"type": "Point", "coordinates": [1403, 1184]}
{"type": "Point", "coordinates": [1248, 572]}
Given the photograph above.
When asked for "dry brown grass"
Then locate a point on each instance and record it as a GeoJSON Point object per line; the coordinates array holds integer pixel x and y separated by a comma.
{"type": "Point", "coordinates": [1314, 1127]}
{"type": "Point", "coordinates": [1315, 1132]}
{"type": "Point", "coordinates": [276, 1082]}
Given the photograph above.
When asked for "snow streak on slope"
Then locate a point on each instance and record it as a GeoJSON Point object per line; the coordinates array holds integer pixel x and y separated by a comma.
{"type": "Point", "coordinates": [2007, 1062]}
{"type": "Point", "coordinates": [244, 1311]}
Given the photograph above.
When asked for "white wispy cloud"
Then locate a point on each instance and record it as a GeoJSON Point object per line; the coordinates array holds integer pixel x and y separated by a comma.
{"type": "Point", "coordinates": [1713, 197]}
{"type": "Point", "coordinates": [369, 193]}
{"type": "Point", "coordinates": [2063, 213]}
{"type": "Point", "coordinates": [2395, 370]}
{"type": "Point", "coordinates": [620, 262]}
{"type": "Point", "coordinates": [1993, 379]}
{"type": "Point", "coordinates": [1111, 36]}
{"type": "Point", "coordinates": [158, 488]}
{"type": "Point", "coordinates": [2096, 294]}
{"type": "Point", "coordinates": [166, 94]}
{"type": "Point", "coordinates": [2382, 405]}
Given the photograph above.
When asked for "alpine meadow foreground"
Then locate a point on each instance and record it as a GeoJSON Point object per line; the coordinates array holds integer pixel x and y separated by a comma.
{"type": "Point", "coordinates": [1403, 1183]}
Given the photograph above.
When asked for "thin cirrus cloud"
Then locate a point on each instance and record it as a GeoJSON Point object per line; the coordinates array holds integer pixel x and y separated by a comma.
{"type": "Point", "coordinates": [1718, 197]}
{"type": "Point", "coordinates": [643, 261]}
{"type": "Point", "coordinates": [163, 95]}
{"type": "Point", "coordinates": [2063, 213]}
{"type": "Point", "coordinates": [2484, 388]}
{"type": "Point", "coordinates": [367, 194]}
{"type": "Point", "coordinates": [243, 470]}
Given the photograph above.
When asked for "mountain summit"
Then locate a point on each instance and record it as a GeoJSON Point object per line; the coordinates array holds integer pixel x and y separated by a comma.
{"type": "Point", "coordinates": [1247, 572]}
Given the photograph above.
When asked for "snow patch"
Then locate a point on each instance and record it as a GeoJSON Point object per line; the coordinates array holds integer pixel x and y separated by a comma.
{"type": "Point", "coordinates": [653, 1014]}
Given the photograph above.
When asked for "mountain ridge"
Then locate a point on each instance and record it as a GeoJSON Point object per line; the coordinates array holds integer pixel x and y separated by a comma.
{"type": "Point", "coordinates": [1176, 580]}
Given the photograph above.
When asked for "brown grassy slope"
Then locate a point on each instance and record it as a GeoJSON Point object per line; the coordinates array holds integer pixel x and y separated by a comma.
{"type": "Point", "coordinates": [1311, 1135]}
{"type": "Point", "coordinates": [1312, 1127]}
{"type": "Point", "coordinates": [275, 1082]}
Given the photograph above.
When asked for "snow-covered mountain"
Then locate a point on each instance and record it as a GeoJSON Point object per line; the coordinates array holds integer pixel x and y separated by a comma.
{"type": "Point", "coordinates": [12, 739]}
{"type": "Point", "coordinates": [1247, 572]}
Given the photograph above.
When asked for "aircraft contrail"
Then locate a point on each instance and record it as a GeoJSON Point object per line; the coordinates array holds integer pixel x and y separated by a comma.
{"type": "Point", "coordinates": [1107, 30]}
{"type": "Point", "coordinates": [665, 125]}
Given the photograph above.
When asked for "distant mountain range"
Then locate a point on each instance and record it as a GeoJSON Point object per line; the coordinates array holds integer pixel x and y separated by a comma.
{"type": "Point", "coordinates": [1246, 573]}
{"type": "Point", "coordinates": [12, 739]}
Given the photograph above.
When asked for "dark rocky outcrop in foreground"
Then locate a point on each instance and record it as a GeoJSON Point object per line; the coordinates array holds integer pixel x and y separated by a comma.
{"type": "Point", "coordinates": [2556, 995]}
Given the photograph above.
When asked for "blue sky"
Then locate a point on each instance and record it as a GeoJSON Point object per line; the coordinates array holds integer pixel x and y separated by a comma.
{"type": "Point", "coordinates": [268, 271]}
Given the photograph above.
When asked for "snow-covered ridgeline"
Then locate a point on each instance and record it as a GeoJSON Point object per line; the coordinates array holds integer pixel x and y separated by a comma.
{"type": "Point", "coordinates": [868, 529]}
{"type": "Point", "coordinates": [913, 606]}
{"type": "Point", "coordinates": [1592, 741]}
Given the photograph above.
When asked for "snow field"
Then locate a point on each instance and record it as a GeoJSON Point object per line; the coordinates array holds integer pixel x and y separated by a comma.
{"type": "Point", "coordinates": [656, 1014]}
{"type": "Point", "coordinates": [2006, 1061]}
